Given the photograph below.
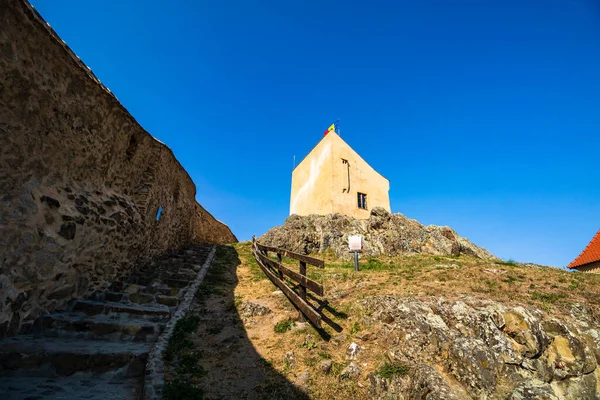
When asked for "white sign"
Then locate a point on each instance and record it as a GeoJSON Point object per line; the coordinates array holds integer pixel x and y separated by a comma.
{"type": "Point", "coordinates": [355, 242]}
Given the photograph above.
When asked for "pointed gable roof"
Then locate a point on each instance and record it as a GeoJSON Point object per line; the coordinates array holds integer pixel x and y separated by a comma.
{"type": "Point", "coordinates": [589, 255]}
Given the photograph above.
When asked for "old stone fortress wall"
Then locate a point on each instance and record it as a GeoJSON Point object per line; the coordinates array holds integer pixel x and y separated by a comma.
{"type": "Point", "coordinates": [81, 182]}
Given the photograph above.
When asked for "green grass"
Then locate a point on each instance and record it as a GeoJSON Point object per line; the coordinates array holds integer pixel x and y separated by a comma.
{"type": "Point", "coordinates": [547, 297]}
{"type": "Point", "coordinates": [283, 326]}
{"type": "Point", "coordinates": [179, 390]}
{"type": "Point", "coordinates": [355, 328]}
{"type": "Point", "coordinates": [188, 365]}
{"type": "Point", "coordinates": [390, 369]}
{"type": "Point", "coordinates": [179, 340]}
{"type": "Point", "coordinates": [511, 279]}
{"type": "Point", "coordinates": [374, 264]}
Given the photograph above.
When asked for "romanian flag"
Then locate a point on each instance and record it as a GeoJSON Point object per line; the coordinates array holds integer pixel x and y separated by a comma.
{"type": "Point", "coordinates": [332, 128]}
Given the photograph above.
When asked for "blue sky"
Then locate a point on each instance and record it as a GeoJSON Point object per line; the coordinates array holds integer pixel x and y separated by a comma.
{"type": "Point", "coordinates": [484, 115]}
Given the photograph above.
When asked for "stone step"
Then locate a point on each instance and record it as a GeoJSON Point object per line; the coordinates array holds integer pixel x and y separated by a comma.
{"type": "Point", "coordinates": [137, 280]}
{"type": "Point", "coordinates": [178, 283]}
{"type": "Point", "coordinates": [153, 313]}
{"type": "Point", "coordinates": [99, 327]}
{"type": "Point", "coordinates": [180, 275]}
{"type": "Point", "coordinates": [80, 385]}
{"type": "Point", "coordinates": [137, 297]}
{"type": "Point", "coordinates": [134, 288]}
{"type": "Point", "coordinates": [63, 357]}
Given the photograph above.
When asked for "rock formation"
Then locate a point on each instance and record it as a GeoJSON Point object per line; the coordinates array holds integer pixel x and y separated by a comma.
{"type": "Point", "coordinates": [481, 349]}
{"type": "Point", "coordinates": [82, 182]}
{"type": "Point", "coordinates": [383, 233]}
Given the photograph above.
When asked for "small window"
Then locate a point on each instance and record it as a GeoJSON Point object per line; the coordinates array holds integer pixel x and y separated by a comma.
{"type": "Point", "coordinates": [362, 201]}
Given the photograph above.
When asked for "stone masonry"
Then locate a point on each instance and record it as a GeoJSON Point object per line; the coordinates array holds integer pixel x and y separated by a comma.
{"type": "Point", "coordinates": [81, 181]}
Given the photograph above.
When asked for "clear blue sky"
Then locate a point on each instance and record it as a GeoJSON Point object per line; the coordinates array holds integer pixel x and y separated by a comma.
{"type": "Point", "coordinates": [484, 115]}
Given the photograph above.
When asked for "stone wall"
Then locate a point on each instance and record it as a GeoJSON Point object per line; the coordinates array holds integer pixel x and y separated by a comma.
{"type": "Point", "coordinates": [81, 182]}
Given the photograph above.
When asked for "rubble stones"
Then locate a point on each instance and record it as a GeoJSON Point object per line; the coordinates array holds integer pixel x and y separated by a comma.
{"type": "Point", "coordinates": [250, 309]}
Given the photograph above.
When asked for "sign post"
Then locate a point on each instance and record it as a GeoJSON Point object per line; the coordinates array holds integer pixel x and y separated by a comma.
{"type": "Point", "coordinates": [355, 245]}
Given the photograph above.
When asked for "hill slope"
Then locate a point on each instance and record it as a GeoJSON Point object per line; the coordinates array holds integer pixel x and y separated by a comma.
{"type": "Point", "coordinates": [424, 326]}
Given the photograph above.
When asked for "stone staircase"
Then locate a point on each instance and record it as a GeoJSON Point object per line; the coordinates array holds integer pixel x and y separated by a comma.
{"type": "Point", "coordinates": [98, 347]}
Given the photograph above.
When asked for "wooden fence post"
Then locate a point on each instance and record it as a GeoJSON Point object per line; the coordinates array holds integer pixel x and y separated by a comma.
{"type": "Point", "coordinates": [302, 289]}
{"type": "Point", "coordinates": [279, 261]}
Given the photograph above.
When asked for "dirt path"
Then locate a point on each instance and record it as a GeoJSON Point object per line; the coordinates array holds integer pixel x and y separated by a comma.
{"type": "Point", "coordinates": [222, 361]}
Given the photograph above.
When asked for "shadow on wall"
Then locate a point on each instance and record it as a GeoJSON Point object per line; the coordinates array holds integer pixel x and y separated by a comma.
{"type": "Point", "coordinates": [222, 362]}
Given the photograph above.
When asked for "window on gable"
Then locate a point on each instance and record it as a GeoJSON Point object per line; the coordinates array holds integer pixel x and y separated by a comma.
{"type": "Point", "coordinates": [362, 201]}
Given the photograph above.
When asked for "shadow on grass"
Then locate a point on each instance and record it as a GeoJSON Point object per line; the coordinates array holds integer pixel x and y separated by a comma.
{"type": "Point", "coordinates": [218, 360]}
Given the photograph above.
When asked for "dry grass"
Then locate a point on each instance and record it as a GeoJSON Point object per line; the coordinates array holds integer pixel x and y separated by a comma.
{"type": "Point", "coordinates": [415, 276]}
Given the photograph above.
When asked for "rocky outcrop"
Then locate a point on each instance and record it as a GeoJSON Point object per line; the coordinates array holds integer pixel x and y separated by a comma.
{"type": "Point", "coordinates": [383, 233]}
{"type": "Point", "coordinates": [86, 192]}
{"type": "Point", "coordinates": [481, 349]}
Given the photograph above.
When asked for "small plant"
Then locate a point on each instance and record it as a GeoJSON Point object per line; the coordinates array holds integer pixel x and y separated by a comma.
{"type": "Point", "coordinates": [189, 365]}
{"type": "Point", "coordinates": [180, 390]}
{"type": "Point", "coordinates": [355, 328]}
{"type": "Point", "coordinates": [238, 300]}
{"type": "Point", "coordinates": [309, 345]}
{"type": "Point", "coordinates": [179, 339]}
{"type": "Point", "coordinates": [391, 369]}
{"type": "Point", "coordinates": [374, 264]}
{"type": "Point", "coordinates": [510, 262]}
{"type": "Point", "coordinates": [284, 326]}
{"type": "Point", "coordinates": [547, 297]}
{"type": "Point", "coordinates": [574, 285]}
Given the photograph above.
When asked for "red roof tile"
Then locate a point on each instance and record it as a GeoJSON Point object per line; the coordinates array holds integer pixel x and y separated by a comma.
{"type": "Point", "coordinates": [589, 255]}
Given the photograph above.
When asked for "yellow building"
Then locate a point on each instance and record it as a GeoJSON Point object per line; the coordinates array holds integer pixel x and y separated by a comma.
{"type": "Point", "coordinates": [333, 178]}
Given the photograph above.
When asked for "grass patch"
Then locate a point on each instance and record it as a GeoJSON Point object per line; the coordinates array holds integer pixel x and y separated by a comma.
{"type": "Point", "coordinates": [511, 279]}
{"type": "Point", "coordinates": [547, 297]}
{"type": "Point", "coordinates": [179, 390]}
{"type": "Point", "coordinates": [179, 340]}
{"type": "Point", "coordinates": [390, 369]}
{"type": "Point", "coordinates": [283, 326]}
{"type": "Point", "coordinates": [188, 365]}
{"type": "Point", "coordinates": [355, 328]}
{"type": "Point", "coordinates": [374, 264]}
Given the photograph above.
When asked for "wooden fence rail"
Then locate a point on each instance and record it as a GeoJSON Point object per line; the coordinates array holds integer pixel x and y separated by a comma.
{"type": "Point", "coordinates": [276, 270]}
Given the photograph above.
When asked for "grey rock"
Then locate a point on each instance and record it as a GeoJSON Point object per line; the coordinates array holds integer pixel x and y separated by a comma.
{"type": "Point", "coordinates": [325, 366]}
{"type": "Point", "coordinates": [473, 364]}
{"type": "Point", "coordinates": [428, 384]}
{"type": "Point", "coordinates": [383, 233]}
{"type": "Point", "coordinates": [303, 379]}
{"type": "Point", "coordinates": [352, 371]}
{"type": "Point", "coordinates": [533, 390]}
{"type": "Point", "coordinates": [250, 309]}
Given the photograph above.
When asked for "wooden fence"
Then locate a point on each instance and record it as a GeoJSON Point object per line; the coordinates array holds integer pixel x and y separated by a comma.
{"type": "Point", "coordinates": [276, 271]}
